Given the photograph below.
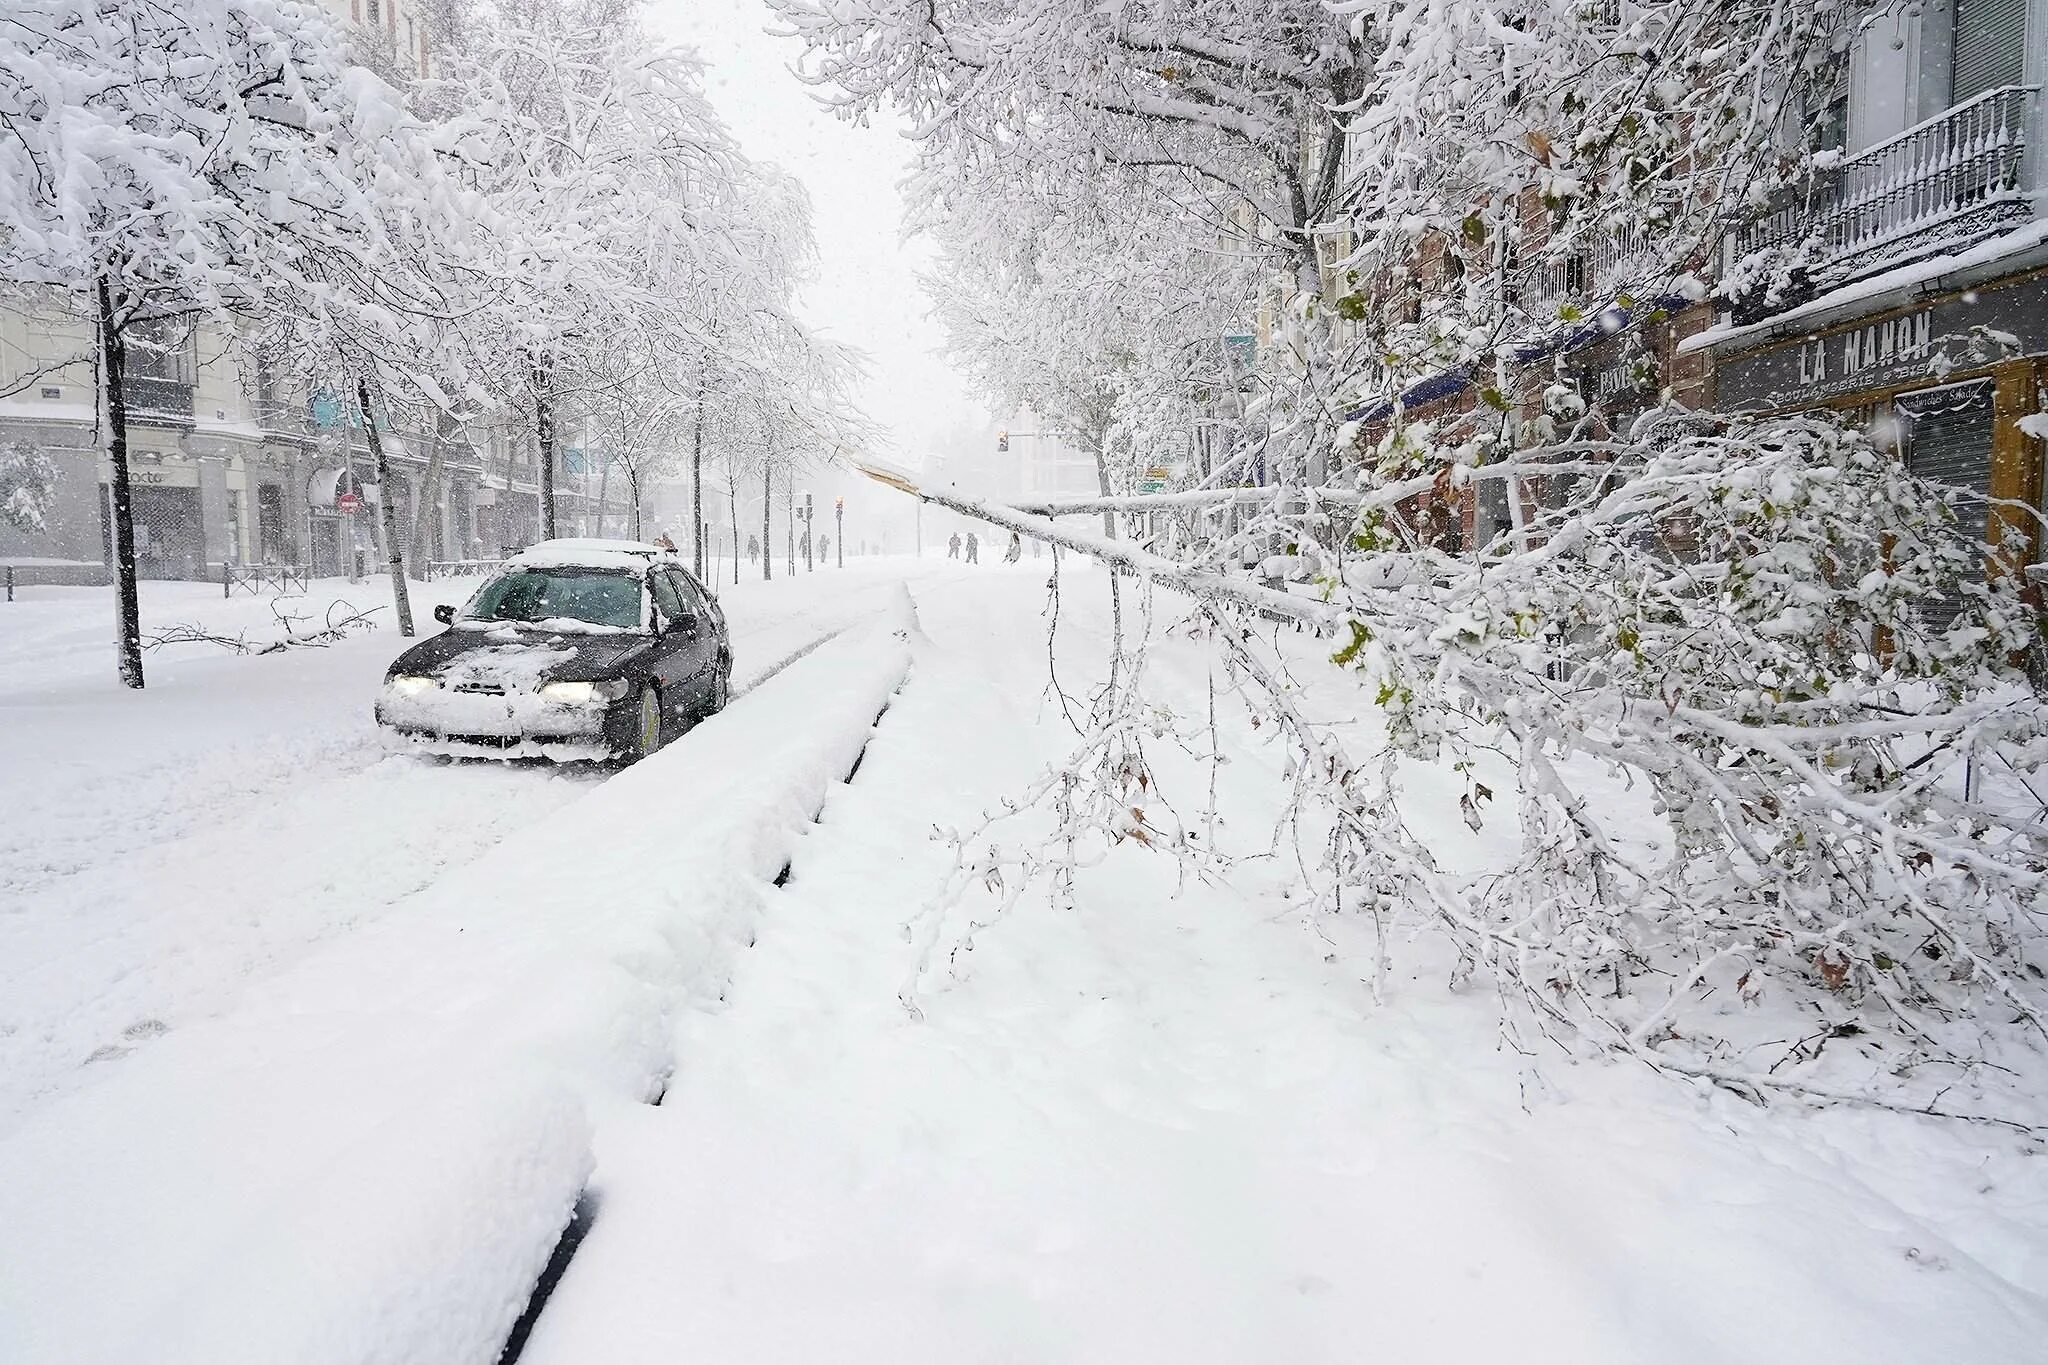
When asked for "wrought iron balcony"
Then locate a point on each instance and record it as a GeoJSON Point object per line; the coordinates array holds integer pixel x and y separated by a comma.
{"type": "Point", "coordinates": [1589, 275]}
{"type": "Point", "coordinates": [161, 402]}
{"type": "Point", "coordinates": [1938, 186]}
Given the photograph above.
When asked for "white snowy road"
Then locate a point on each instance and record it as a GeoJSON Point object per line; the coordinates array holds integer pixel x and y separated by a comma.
{"type": "Point", "coordinates": [161, 851]}
{"type": "Point", "coordinates": [1167, 1125]}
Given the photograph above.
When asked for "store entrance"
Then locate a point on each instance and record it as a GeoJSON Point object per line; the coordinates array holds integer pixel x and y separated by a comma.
{"type": "Point", "coordinates": [1946, 434]}
{"type": "Point", "coordinates": [170, 535]}
{"type": "Point", "coordinates": [326, 546]}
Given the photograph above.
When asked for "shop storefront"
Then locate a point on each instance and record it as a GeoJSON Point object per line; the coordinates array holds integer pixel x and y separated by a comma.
{"type": "Point", "coordinates": [1944, 382]}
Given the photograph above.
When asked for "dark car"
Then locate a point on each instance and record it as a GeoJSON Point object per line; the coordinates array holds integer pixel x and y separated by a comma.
{"type": "Point", "coordinates": [576, 649]}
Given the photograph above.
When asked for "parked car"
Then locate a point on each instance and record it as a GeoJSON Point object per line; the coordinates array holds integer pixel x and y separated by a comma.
{"type": "Point", "coordinates": [575, 649]}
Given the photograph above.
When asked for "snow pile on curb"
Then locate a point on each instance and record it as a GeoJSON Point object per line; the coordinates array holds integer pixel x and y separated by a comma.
{"type": "Point", "coordinates": [370, 1160]}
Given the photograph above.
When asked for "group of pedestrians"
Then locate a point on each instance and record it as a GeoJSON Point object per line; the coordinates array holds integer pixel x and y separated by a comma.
{"type": "Point", "coordinates": [973, 547]}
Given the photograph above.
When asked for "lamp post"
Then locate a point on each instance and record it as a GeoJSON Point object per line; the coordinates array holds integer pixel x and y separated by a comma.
{"type": "Point", "coordinates": [839, 532]}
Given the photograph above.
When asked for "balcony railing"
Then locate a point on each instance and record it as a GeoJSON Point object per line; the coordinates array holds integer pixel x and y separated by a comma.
{"type": "Point", "coordinates": [157, 400]}
{"type": "Point", "coordinates": [1942, 184]}
{"type": "Point", "coordinates": [1592, 272]}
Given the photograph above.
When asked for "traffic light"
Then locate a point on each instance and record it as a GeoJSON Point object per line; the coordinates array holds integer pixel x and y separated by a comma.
{"type": "Point", "coordinates": [1003, 441]}
{"type": "Point", "coordinates": [838, 504]}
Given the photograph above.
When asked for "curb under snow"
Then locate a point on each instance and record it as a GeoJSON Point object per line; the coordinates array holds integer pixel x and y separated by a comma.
{"type": "Point", "coordinates": [371, 1158]}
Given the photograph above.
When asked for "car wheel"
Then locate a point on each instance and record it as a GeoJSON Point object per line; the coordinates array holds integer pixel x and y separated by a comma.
{"type": "Point", "coordinates": [721, 688]}
{"type": "Point", "coordinates": [647, 725]}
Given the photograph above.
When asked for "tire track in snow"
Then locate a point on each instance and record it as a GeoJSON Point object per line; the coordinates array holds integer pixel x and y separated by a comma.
{"type": "Point", "coordinates": [587, 1202]}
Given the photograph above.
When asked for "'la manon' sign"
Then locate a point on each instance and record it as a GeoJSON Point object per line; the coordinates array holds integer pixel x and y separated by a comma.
{"type": "Point", "coordinates": [1878, 347]}
{"type": "Point", "coordinates": [1959, 333]}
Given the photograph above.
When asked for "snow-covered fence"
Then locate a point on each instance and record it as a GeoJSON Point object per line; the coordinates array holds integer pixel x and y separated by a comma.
{"type": "Point", "coordinates": [41, 570]}
{"type": "Point", "coordinates": [255, 578]}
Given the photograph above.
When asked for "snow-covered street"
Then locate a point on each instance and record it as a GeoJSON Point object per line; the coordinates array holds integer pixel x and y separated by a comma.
{"type": "Point", "coordinates": [276, 1105]}
{"type": "Point", "coordinates": [166, 853]}
{"type": "Point", "coordinates": [1023, 682]}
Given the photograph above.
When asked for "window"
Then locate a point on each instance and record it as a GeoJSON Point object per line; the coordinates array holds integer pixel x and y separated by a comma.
{"type": "Point", "coordinates": [163, 349]}
{"type": "Point", "coordinates": [1575, 274]}
{"type": "Point", "coordinates": [1827, 126]}
{"type": "Point", "coordinates": [592, 597]}
{"type": "Point", "coordinates": [666, 601]}
{"type": "Point", "coordinates": [687, 591]}
{"type": "Point", "coordinates": [1990, 47]}
{"type": "Point", "coordinates": [376, 10]}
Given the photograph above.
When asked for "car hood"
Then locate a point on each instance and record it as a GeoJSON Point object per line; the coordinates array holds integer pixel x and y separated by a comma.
{"type": "Point", "coordinates": [517, 659]}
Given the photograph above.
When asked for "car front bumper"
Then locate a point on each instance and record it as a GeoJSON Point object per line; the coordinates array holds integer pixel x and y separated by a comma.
{"type": "Point", "coordinates": [506, 725]}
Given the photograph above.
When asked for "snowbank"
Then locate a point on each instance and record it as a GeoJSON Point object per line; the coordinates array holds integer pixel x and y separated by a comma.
{"type": "Point", "coordinates": [1168, 1125]}
{"type": "Point", "coordinates": [371, 1158]}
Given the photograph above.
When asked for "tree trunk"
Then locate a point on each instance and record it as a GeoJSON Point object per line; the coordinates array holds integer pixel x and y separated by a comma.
{"type": "Point", "coordinates": [697, 477]}
{"type": "Point", "coordinates": [424, 505]}
{"type": "Point", "coordinates": [387, 515]}
{"type": "Point", "coordinates": [544, 435]}
{"type": "Point", "coordinates": [121, 512]}
{"type": "Point", "coordinates": [767, 520]}
{"type": "Point", "coordinates": [732, 488]}
{"type": "Point", "coordinates": [604, 490]}
{"type": "Point", "coordinates": [1102, 481]}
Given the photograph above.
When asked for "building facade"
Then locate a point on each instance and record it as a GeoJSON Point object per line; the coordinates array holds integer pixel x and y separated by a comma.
{"type": "Point", "coordinates": [1911, 282]}
{"type": "Point", "coordinates": [233, 466]}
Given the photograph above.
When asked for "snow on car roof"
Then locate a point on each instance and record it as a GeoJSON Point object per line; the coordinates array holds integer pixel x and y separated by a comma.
{"type": "Point", "coordinates": [586, 553]}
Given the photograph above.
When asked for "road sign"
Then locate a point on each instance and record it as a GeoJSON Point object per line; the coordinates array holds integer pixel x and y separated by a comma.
{"type": "Point", "coordinates": [1154, 479]}
{"type": "Point", "coordinates": [347, 503]}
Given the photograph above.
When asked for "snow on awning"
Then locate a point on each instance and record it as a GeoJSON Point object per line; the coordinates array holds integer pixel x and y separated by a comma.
{"type": "Point", "coordinates": [324, 485]}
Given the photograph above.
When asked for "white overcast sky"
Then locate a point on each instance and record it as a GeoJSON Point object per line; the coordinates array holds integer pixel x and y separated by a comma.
{"type": "Point", "coordinates": [866, 292]}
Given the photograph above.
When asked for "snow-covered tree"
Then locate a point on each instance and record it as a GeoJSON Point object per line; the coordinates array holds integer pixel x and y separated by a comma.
{"type": "Point", "coordinates": [163, 160]}
{"type": "Point", "coordinates": [1746, 622]}
{"type": "Point", "coordinates": [604, 148]}
{"type": "Point", "coordinates": [28, 480]}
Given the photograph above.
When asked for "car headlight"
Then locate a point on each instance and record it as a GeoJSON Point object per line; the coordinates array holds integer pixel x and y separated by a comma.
{"type": "Point", "coordinates": [583, 693]}
{"type": "Point", "coordinates": [407, 686]}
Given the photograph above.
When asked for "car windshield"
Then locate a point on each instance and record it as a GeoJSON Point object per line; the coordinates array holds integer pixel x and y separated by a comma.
{"type": "Point", "coordinates": [593, 596]}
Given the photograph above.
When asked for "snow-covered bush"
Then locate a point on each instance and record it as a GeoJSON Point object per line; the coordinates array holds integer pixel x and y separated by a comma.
{"type": "Point", "coordinates": [1710, 667]}
{"type": "Point", "coordinates": [1744, 727]}
{"type": "Point", "coordinates": [28, 480]}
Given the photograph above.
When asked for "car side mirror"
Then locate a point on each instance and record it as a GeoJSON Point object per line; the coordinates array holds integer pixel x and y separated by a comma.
{"type": "Point", "coordinates": [686, 624]}
{"type": "Point", "coordinates": [445, 614]}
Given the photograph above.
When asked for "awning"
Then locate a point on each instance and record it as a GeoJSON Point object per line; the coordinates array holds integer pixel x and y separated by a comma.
{"type": "Point", "coordinates": [324, 485]}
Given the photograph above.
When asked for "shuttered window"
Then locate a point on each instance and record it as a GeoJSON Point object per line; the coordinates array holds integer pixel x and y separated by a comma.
{"type": "Point", "coordinates": [1947, 436]}
{"type": "Point", "coordinates": [1990, 47]}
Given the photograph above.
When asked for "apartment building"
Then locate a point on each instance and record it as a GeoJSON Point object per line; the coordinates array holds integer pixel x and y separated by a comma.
{"type": "Point", "coordinates": [1914, 282]}
{"type": "Point", "coordinates": [393, 35]}
{"type": "Point", "coordinates": [233, 465]}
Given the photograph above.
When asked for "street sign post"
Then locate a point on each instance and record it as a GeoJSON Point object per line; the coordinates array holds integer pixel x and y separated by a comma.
{"type": "Point", "coordinates": [347, 503]}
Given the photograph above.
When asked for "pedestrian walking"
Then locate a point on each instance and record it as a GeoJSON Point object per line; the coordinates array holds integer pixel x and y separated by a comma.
{"type": "Point", "coordinates": [1016, 550]}
{"type": "Point", "coordinates": [973, 548]}
{"type": "Point", "coordinates": [953, 546]}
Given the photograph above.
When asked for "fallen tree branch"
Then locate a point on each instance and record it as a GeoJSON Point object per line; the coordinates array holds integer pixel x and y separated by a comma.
{"type": "Point", "coordinates": [336, 627]}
